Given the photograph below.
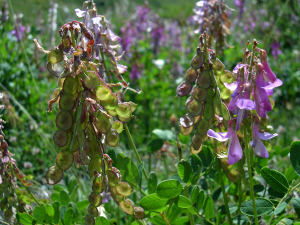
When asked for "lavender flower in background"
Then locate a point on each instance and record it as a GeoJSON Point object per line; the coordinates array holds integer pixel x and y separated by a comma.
{"type": "Point", "coordinates": [135, 74]}
{"type": "Point", "coordinates": [18, 32]}
{"type": "Point", "coordinates": [276, 49]}
{"type": "Point", "coordinates": [241, 6]}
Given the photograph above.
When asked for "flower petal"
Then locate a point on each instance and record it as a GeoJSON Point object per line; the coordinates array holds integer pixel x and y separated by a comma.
{"type": "Point", "coordinates": [265, 135]}
{"type": "Point", "coordinates": [245, 104]}
{"type": "Point", "coordinates": [222, 136]}
{"type": "Point", "coordinates": [80, 13]}
{"type": "Point", "coordinates": [235, 152]}
{"type": "Point", "coordinates": [231, 86]}
{"type": "Point", "coordinates": [260, 149]}
{"type": "Point", "coordinates": [276, 83]}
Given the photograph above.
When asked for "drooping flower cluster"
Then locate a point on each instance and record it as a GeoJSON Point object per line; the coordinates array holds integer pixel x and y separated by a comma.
{"type": "Point", "coordinates": [252, 88]}
{"type": "Point", "coordinates": [91, 114]}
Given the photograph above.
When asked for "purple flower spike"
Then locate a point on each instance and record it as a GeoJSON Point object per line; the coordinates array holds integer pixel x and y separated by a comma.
{"type": "Point", "coordinates": [258, 147]}
{"type": "Point", "coordinates": [269, 73]}
{"type": "Point", "coordinates": [235, 152]}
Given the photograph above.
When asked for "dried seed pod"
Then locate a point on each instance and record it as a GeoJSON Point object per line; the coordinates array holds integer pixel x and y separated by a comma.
{"type": "Point", "coordinates": [54, 175]}
{"type": "Point", "coordinates": [103, 123]}
{"type": "Point", "coordinates": [202, 127]}
{"type": "Point", "coordinates": [70, 85]}
{"type": "Point", "coordinates": [64, 160]}
{"type": "Point", "coordinates": [186, 130]}
{"type": "Point", "coordinates": [187, 120]}
{"type": "Point", "coordinates": [89, 220]}
{"type": "Point", "coordinates": [4, 145]}
{"type": "Point", "coordinates": [66, 102]}
{"type": "Point", "coordinates": [204, 80]}
{"type": "Point", "coordinates": [233, 175]}
{"type": "Point", "coordinates": [118, 126]}
{"type": "Point", "coordinates": [93, 211]}
{"type": "Point", "coordinates": [64, 120]}
{"type": "Point", "coordinates": [111, 103]}
{"type": "Point", "coordinates": [139, 213]}
{"type": "Point", "coordinates": [184, 89]}
{"type": "Point", "coordinates": [55, 56]}
{"type": "Point", "coordinates": [116, 196]}
{"type": "Point", "coordinates": [103, 93]}
{"type": "Point", "coordinates": [124, 189]}
{"type": "Point", "coordinates": [126, 207]}
{"type": "Point", "coordinates": [195, 108]}
{"type": "Point", "coordinates": [123, 110]}
{"type": "Point", "coordinates": [113, 179]}
{"type": "Point", "coordinates": [191, 75]}
{"type": "Point", "coordinates": [90, 79]}
{"type": "Point", "coordinates": [98, 186]}
{"type": "Point", "coordinates": [112, 138]}
{"type": "Point", "coordinates": [197, 141]}
{"type": "Point", "coordinates": [198, 60]}
{"type": "Point", "coordinates": [200, 94]}
{"type": "Point", "coordinates": [195, 151]}
{"type": "Point", "coordinates": [95, 199]}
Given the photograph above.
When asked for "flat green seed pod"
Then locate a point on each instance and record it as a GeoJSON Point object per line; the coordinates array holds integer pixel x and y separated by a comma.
{"type": "Point", "coordinates": [103, 93]}
{"type": "Point", "coordinates": [55, 56]}
{"type": "Point", "coordinates": [218, 66]}
{"type": "Point", "coordinates": [95, 164]}
{"type": "Point", "coordinates": [64, 160]}
{"type": "Point", "coordinates": [210, 95]}
{"type": "Point", "coordinates": [60, 138]}
{"type": "Point", "coordinates": [112, 138]}
{"type": "Point", "coordinates": [124, 120]}
{"type": "Point", "coordinates": [217, 105]}
{"type": "Point", "coordinates": [103, 123]}
{"type": "Point", "coordinates": [196, 119]}
{"type": "Point", "coordinates": [64, 120]}
{"type": "Point", "coordinates": [198, 60]}
{"type": "Point", "coordinates": [54, 175]}
{"type": "Point", "coordinates": [204, 138]}
{"type": "Point", "coordinates": [226, 77]}
{"type": "Point", "coordinates": [132, 106]}
{"type": "Point", "coordinates": [90, 66]}
{"type": "Point", "coordinates": [126, 207]}
{"type": "Point", "coordinates": [80, 135]}
{"type": "Point", "coordinates": [90, 79]}
{"type": "Point", "coordinates": [113, 179]}
{"type": "Point", "coordinates": [202, 127]}
{"type": "Point", "coordinates": [225, 93]}
{"type": "Point", "coordinates": [124, 189]}
{"type": "Point", "coordinates": [200, 94]}
{"type": "Point", "coordinates": [185, 131]}
{"type": "Point", "coordinates": [197, 141]}
{"type": "Point", "coordinates": [112, 112]}
{"type": "Point", "coordinates": [66, 102]}
{"type": "Point", "coordinates": [208, 111]}
{"type": "Point", "coordinates": [95, 199]}
{"type": "Point", "coordinates": [195, 151]}
{"type": "Point", "coordinates": [225, 112]}
{"type": "Point", "coordinates": [204, 80]}
{"type": "Point", "coordinates": [191, 75]}
{"type": "Point", "coordinates": [187, 120]}
{"type": "Point", "coordinates": [115, 195]}
{"type": "Point", "coordinates": [118, 126]}
{"type": "Point", "coordinates": [75, 146]}
{"type": "Point", "coordinates": [70, 85]}
{"type": "Point", "coordinates": [98, 186]}
{"type": "Point", "coordinates": [89, 220]}
{"type": "Point", "coordinates": [93, 211]}
{"type": "Point", "coordinates": [195, 108]}
{"type": "Point", "coordinates": [184, 88]}
{"type": "Point", "coordinates": [130, 202]}
{"type": "Point", "coordinates": [123, 110]}
{"type": "Point", "coordinates": [139, 213]}
{"type": "Point", "coordinates": [60, 82]}
{"type": "Point", "coordinates": [111, 103]}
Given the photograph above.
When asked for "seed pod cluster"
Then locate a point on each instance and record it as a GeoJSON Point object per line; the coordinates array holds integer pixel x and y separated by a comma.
{"type": "Point", "coordinates": [205, 100]}
{"type": "Point", "coordinates": [90, 113]}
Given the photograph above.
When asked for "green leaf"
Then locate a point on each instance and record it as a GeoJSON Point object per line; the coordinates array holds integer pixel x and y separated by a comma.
{"type": "Point", "coordinates": [241, 220]}
{"type": "Point", "coordinates": [169, 189]}
{"type": "Point", "coordinates": [181, 221]}
{"type": "Point", "coordinates": [56, 212]}
{"type": "Point", "coordinates": [55, 197]}
{"type": "Point", "coordinates": [113, 156]}
{"type": "Point", "coordinates": [64, 198]}
{"type": "Point", "coordinates": [200, 200]}
{"type": "Point", "coordinates": [285, 221]}
{"type": "Point", "coordinates": [206, 156]}
{"type": "Point", "coordinates": [68, 216]}
{"type": "Point", "coordinates": [196, 163]}
{"type": "Point", "coordinates": [128, 169]}
{"type": "Point", "coordinates": [62, 212]}
{"type": "Point", "coordinates": [195, 193]}
{"type": "Point", "coordinates": [155, 145]}
{"type": "Point", "coordinates": [164, 134]}
{"type": "Point", "coordinates": [101, 221]}
{"type": "Point", "coordinates": [152, 183]}
{"type": "Point", "coordinates": [295, 156]}
{"type": "Point", "coordinates": [25, 218]}
{"type": "Point", "coordinates": [173, 212]}
{"type": "Point", "coordinates": [49, 210]}
{"type": "Point", "coordinates": [185, 171]}
{"type": "Point", "coordinates": [290, 174]}
{"type": "Point", "coordinates": [280, 208]}
{"type": "Point", "coordinates": [258, 188]}
{"type": "Point", "coordinates": [74, 207]}
{"type": "Point", "coordinates": [275, 179]}
{"type": "Point", "coordinates": [183, 202]}
{"type": "Point", "coordinates": [209, 207]}
{"type": "Point", "coordinates": [263, 206]}
{"type": "Point", "coordinates": [82, 205]}
{"type": "Point", "coordinates": [296, 205]}
{"type": "Point", "coordinates": [39, 213]}
{"type": "Point", "coordinates": [140, 169]}
{"type": "Point", "coordinates": [153, 202]}
{"type": "Point", "coordinates": [274, 193]}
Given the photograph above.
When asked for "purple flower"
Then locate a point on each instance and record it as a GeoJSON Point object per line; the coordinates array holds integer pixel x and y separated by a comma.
{"type": "Point", "coordinates": [235, 152]}
{"type": "Point", "coordinates": [258, 147]}
{"type": "Point", "coordinates": [135, 74]}
{"type": "Point", "coordinates": [275, 49]}
{"type": "Point", "coordinates": [18, 32]}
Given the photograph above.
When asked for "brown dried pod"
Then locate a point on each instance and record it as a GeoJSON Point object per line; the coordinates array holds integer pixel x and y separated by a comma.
{"type": "Point", "coordinates": [89, 220]}
{"type": "Point", "coordinates": [64, 160]}
{"type": "Point", "coordinates": [191, 75]}
{"type": "Point", "coordinates": [95, 199]}
{"type": "Point", "coordinates": [70, 85]}
{"type": "Point", "coordinates": [66, 102]}
{"type": "Point", "coordinates": [139, 213]}
{"type": "Point", "coordinates": [198, 60]}
{"type": "Point", "coordinates": [126, 207]}
{"type": "Point", "coordinates": [93, 211]}
{"type": "Point", "coordinates": [54, 175]}
{"type": "Point", "coordinates": [195, 108]}
{"type": "Point", "coordinates": [64, 120]}
{"type": "Point", "coordinates": [184, 89]}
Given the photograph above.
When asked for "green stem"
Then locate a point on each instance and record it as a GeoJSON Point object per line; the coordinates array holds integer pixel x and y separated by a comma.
{"type": "Point", "coordinates": [186, 193]}
{"type": "Point", "coordinates": [225, 197]}
{"type": "Point", "coordinates": [249, 171]}
{"type": "Point", "coordinates": [32, 195]}
{"type": "Point", "coordinates": [105, 67]}
{"type": "Point", "coordinates": [205, 219]}
{"type": "Point", "coordinates": [240, 191]}
{"type": "Point", "coordinates": [73, 40]}
{"type": "Point", "coordinates": [134, 148]}
{"type": "Point", "coordinates": [164, 218]}
{"type": "Point", "coordinates": [1, 221]}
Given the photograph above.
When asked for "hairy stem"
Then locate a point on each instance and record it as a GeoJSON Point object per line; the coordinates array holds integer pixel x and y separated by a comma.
{"type": "Point", "coordinates": [249, 172]}
{"type": "Point", "coordinates": [225, 197]}
{"type": "Point", "coordinates": [240, 193]}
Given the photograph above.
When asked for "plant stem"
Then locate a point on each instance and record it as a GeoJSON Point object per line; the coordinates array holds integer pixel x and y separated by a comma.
{"type": "Point", "coordinates": [105, 67]}
{"type": "Point", "coordinates": [186, 193]}
{"type": "Point", "coordinates": [240, 187]}
{"type": "Point", "coordinates": [164, 218]}
{"type": "Point", "coordinates": [73, 40]}
{"type": "Point", "coordinates": [1, 221]}
{"type": "Point", "coordinates": [249, 172]}
{"type": "Point", "coordinates": [32, 195]}
{"type": "Point", "coordinates": [225, 197]}
{"type": "Point", "coordinates": [134, 148]}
